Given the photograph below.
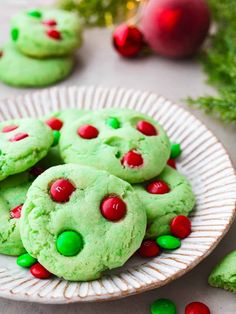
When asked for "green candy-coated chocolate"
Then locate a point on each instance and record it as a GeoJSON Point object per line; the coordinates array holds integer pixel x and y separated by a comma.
{"type": "Point", "coordinates": [69, 243]}
{"type": "Point", "coordinates": [175, 150]}
{"type": "Point", "coordinates": [168, 242]}
{"type": "Point", "coordinates": [35, 13]}
{"type": "Point", "coordinates": [26, 260]}
{"type": "Point", "coordinates": [163, 306]}
{"type": "Point", "coordinates": [14, 34]}
{"type": "Point", "coordinates": [113, 123]}
{"type": "Point", "coordinates": [56, 136]}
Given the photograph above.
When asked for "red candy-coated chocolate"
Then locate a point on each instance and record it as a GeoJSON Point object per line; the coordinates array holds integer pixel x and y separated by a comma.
{"type": "Point", "coordinates": [16, 212]}
{"type": "Point", "coordinates": [127, 40]}
{"type": "Point", "coordinates": [54, 34]}
{"type": "Point", "coordinates": [38, 271]}
{"type": "Point", "coordinates": [113, 208]}
{"type": "Point", "coordinates": [61, 190]}
{"type": "Point", "coordinates": [146, 128]}
{"type": "Point", "coordinates": [180, 226]}
{"type": "Point", "coordinates": [54, 124]}
{"type": "Point", "coordinates": [197, 308]}
{"type": "Point", "coordinates": [171, 163]}
{"type": "Point", "coordinates": [149, 248]}
{"type": "Point", "coordinates": [9, 128]}
{"type": "Point", "coordinates": [18, 137]}
{"type": "Point", "coordinates": [36, 171]}
{"type": "Point", "coordinates": [158, 187]}
{"type": "Point", "coordinates": [87, 132]}
{"type": "Point", "coordinates": [132, 159]}
{"type": "Point", "coordinates": [50, 23]}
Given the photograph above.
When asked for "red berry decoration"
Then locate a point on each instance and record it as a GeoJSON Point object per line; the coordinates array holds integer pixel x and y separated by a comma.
{"type": "Point", "coordinates": [40, 272]}
{"type": "Point", "coordinates": [50, 23]}
{"type": "Point", "coordinates": [146, 128]}
{"type": "Point", "coordinates": [175, 28]}
{"type": "Point", "coordinates": [197, 308]}
{"type": "Point", "coordinates": [128, 40]}
{"type": "Point", "coordinates": [54, 34]}
{"type": "Point", "coordinates": [132, 159]}
{"type": "Point", "coordinates": [113, 208]}
{"type": "Point", "coordinates": [36, 171]}
{"type": "Point", "coordinates": [158, 187]}
{"type": "Point", "coordinates": [149, 248]}
{"type": "Point", "coordinates": [16, 212]}
{"type": "Point", "coordinates": [180, 227]}
{"type": "Point", "coordinates": [87, 132]}
{"type": "Point", "coordinates": [61, 190]}
{"type": "Point", "coordinates": [54, 124]}
{"type": "Point", "coordinates": [9, 128]}
{"type": "Point", "coordinates": [18, 137]}
{"type": "Point", "coordinates": [171, 163]}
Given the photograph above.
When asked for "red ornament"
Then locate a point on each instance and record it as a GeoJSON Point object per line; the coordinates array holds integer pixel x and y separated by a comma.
{"type": "Point", "coordinates": [158, 187]}
{"type": "Point", "coordinates": [175, 28]}
{"type": "Point", "coordinates": [132, 159]}
{"type": "Point", "coordinates": [197, 308]}
{"type": "Point", "coordinates": [18, 137]}
{"type": "Point", "coordinates": [61, 190]}
{"type": "Point", "coordinates": [87, 132]}
{"type": "Point", "coordinates": [149, 248]}
{"type": "Point", "coordinates": [113, 208]}
{"type": "Point", "coordinates": [54, 124]}
{"type": "Point", "coordinates": [171, 163]}
{"type": "Point", "coordinates": [40, 272]}
{"type": "Point", "coordinates": [9, 128]}
{"type": "Point", "coordinates": [16, 212]}
{"type": "Point", "coordinates": [36, 171]}
{"type": "Point", "coordinates": [127, 40]}
{"type": "Point", "coordinates": [180, 227]}
{"type": "Point", "coordinates": [54, 34]}
{"type": "Point", "coordinates": [50, 23]}
{"type": "Point", "coordinates": [146, 128]}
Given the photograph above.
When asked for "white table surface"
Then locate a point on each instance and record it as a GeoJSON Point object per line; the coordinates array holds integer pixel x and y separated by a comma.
{"type": "Point", "coordinates": [98, 64]}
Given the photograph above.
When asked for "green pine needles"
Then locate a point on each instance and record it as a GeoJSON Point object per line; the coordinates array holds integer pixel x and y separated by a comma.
{"type": "Point", "coordinates": [219, 61]}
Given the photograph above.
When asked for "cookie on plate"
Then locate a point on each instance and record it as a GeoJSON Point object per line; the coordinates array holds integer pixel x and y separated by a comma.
{"type": "Point", "coordinates": [79, 221]}
{"type": "Point", "coordinates": [23, 142]}
{"type": "Point", "coordinates": [17, 69]}
{"type": "Point", "coordinates": [224, 274]}
{"type": "Point", "coordinates": [126, 143]}
{"type": "Point", "coordinates": [164, 197]}
{"type": "Point", "coordinates": [46, 33]}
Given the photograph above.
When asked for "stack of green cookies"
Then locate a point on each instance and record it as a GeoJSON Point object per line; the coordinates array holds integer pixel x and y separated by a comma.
{"type": "Point", "coordinates": [41, 48]}
{"type": "Point", "coordinates": [80, 190]}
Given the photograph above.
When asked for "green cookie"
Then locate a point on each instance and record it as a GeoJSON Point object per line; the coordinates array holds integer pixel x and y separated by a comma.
{"type": "Point", "coordinates": [46, 33]}
{"type": "Point", "coordinates": [17, 69]}
{"type": "Point", "coordinates": [23, 142]}
{"type": "Point", "coordinates": [113, 143]}
{"type": "Point", "coordinates": [162, 208]}
{"type": "Point", "coordinates": [224, 274]}
{"type": "Point", "coordinates": [72, 234]}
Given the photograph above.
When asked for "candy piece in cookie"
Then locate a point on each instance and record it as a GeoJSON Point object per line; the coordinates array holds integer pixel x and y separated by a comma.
{"type": "Point", "coordinates": [124, 142]}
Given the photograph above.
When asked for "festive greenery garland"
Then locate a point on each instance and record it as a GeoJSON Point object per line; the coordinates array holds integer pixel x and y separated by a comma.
{"type": "Point", "coordinates": [219, 62]}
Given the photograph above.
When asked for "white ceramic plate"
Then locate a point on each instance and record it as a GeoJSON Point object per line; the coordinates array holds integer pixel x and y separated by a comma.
{"type": "Point", "coordinates": [204, 161]}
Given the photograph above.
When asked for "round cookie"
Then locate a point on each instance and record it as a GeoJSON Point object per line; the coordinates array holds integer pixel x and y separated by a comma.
{"type": "Point", "coordinates": [124, 142]}
{"type": "Point", "coordinates": [79, 221]}
{"type": "Point", "coordinates": [46, 33]}
{"type": "Point", "coordinates": [23, 142]}
{"type": "Point", "coordinates": [17, 69]}
{"type": "Point", "coordinates": [177, 199]}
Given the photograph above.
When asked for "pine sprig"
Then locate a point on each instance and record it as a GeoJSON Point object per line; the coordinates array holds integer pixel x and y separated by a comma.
{"type": "Point", "coordinates": [219, 62]}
